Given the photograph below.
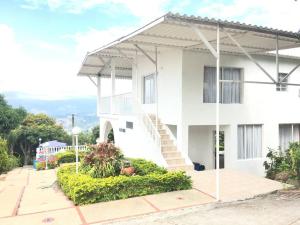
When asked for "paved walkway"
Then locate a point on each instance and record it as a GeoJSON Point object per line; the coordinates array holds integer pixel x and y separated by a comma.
{"type": "Point", "coordinates": [234, 185]}
{"type": "Point", "coordinates": [30, 197]}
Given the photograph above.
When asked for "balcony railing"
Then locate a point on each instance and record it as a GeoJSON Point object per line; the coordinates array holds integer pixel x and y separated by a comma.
{"type": "Point", "coordinates": [118, 104]}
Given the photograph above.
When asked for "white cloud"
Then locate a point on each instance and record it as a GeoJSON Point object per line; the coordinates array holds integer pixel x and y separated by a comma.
{"type": "Point", "coordinates": [46, 77]}
{"type": "Point", "coordinates": [277, 14]}
{"type": "Point", "coordinates": [35, 76]}
{"type": "Point", "coordinates": [143, 9]}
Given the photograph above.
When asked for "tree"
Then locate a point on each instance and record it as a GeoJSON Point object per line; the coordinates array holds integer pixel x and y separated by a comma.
{"type": "Point", "coordinates": [27, 135]}
{"type": "Point", "coordinates": [95, 133]}
{"type": "Point", "coordinates": [85, 138]}
{"type": "Point", "coordinates": [10, 117]}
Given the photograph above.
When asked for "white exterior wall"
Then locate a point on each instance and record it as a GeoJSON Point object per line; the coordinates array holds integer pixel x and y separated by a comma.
{"type": "Point", "coordinates": [261, 104]}
{"type": "Point", "coordinates": [180, 103]}
{"type": "Point", "coordinates": [133, 142]}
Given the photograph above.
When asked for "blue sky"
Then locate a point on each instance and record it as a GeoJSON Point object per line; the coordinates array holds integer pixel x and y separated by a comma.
{"type": "Point", "coordinates": [42, 42]}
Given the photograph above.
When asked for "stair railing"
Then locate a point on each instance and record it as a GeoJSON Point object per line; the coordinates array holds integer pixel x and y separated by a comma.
{"type": "Point", "coordinates": [148, 124]}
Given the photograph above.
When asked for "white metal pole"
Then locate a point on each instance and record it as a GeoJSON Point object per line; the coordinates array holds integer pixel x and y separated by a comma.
{"type": "Point", "coordinates": [113, 78]}
{"type": "Point", "coordinates": [76, 148]}
{"type": "Point", "coordinates": [156, 88]}
{"type": "Point", "coordinates": [277, 57]}
{"type": "Point", "coordinates": [217, 117]}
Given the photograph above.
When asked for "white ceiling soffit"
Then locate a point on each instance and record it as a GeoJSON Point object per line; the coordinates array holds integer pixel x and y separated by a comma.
{"type": "Point", "coordinates": [174, 31]}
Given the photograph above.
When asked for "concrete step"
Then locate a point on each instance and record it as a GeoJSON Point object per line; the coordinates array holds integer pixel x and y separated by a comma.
{"type": "Point", "coordinates": [183, 167]}
{"type": "Point", "coordinates": [168, 148]}
{"type": "Point", "coordinates": [175, 161]}
{"type": "Point", "coordinates": [162, 131]}
{"type": "Point", "coordinates": [166, 142]}
{"type": "Point", "coordinates": [171, 154]}
{"type": "Point", "coordinates": [165, 137]}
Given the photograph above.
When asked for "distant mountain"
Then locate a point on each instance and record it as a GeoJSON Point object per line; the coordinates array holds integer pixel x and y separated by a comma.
{"type": "Point", "coordinates": [83, 108]}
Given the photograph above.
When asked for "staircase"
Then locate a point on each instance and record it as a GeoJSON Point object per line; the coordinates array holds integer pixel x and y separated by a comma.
{"type": "Point", "coordinates": [169, 150]}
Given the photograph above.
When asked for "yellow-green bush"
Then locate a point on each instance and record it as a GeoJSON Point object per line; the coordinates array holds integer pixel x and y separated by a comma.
{"type": "Point", "coordinates": [83, 189]}
{"type": "Point", "coordinates": [7, 161]}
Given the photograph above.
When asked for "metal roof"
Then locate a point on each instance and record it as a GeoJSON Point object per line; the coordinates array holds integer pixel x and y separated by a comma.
{"type": "Point", "coordinates": [174, 31]}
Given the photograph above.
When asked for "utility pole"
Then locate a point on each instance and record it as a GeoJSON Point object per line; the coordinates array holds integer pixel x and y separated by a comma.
{"type": "Point", "coordinates": [73, 124]}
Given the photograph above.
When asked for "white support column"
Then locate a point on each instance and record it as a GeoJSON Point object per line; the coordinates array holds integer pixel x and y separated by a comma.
{"type": "Point", "coordinates": [113, 85]}
{"type": "Point", "coordinates": [217, 117]}
{"type": "Point", "coordinates": [277, 57]}
{"type": "Point", "coordinates": [98, 95]}
{"type": "Point", "coordinates": [99, 100]}
{"type": "Point", "coordinates": [156, 89]}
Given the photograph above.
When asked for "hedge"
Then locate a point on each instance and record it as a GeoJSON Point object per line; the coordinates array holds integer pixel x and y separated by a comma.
{"type": "Point", "coordinates": [143, 167]}
{"type": "Point", "coordinates": [83, 189]}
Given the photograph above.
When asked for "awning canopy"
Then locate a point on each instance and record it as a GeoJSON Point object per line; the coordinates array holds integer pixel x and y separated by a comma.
{"type": "Point", "coordinates": [178, 31]}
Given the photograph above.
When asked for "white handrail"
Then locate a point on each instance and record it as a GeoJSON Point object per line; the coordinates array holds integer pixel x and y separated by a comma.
{"type": "Point", "coordinates": [148, 125]}
{"type": "Point", "coordinates": [40, 152]}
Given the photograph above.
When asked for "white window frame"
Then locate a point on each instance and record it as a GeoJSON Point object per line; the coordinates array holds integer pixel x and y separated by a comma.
{"type": "Point", "coordinates": [292, 132]}
{"type": "Point", "coordinates": [152, 97]}
{"type": "Point", "coordinates": [241, 81]}
{"type": "Point", "coordinates": [245, 141]}
{"type": "Point", "coordinates": [283, 87]}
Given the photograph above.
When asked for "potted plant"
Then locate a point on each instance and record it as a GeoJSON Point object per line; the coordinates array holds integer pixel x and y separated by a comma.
{"type": "Point", "coordinates": [127, 169]}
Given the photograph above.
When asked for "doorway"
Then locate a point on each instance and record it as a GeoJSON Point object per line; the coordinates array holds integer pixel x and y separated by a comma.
{"type": "Point", "coordinates": [221, 149]}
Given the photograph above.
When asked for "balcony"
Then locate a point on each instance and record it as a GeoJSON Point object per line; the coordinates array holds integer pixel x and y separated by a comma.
{"type": "Point", "coordinates": [116, 105]}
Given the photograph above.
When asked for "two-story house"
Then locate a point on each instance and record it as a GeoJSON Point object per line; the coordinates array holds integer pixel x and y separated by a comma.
{"type": "Point", "coordinates": [179, 68]}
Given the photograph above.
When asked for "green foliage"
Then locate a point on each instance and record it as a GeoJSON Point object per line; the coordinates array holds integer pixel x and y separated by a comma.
{"type": "Point", "coordinates": [279, 163]}
{"type": "Point", "coordinates": [66, 157]}
{"type": "Point", "coordinates": [27, 135]}
{"type": "Point", "coordinates": [110, 136]}
{"type": "Point", "coordinates": [294, 153]}
{"type": "Point", "coordinates": [83, 189]}
{"type": "Point", "coordinates": [104, 160]}
{"type": "Point", "coordinates": [7, 161]}
{"type": "Point", "coordinates": [95, 133]}
{"type": "Point", "coordinates": [10, 117]}
{"type": "Point", "coordinates": [143, 167]}
{"type": "Point", "coordinates": [85, 138]}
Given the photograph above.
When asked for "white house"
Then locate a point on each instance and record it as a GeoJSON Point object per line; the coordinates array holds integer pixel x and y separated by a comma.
{"type": "Point", "coordinates": [172, 65]}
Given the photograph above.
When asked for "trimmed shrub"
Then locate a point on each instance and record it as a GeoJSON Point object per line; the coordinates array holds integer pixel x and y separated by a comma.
{"type": "Point", "coordinates": [143, 167]}
{"type": "Point", "coordinates": [66, 157]}
{"type": "Point", "coordinates": [104, 160]}
{"type": "Point", "coordinates": [83, 189]}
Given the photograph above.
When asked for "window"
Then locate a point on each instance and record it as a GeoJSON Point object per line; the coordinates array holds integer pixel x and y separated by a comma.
{"type": "Point", "coordinates": [149, 89]}
{"type": "Point", "coordinates": [283, 85]}
{"type": "Point", "coordinates": [230, 85]}
{"type": "Point", "coordinates": [129, 125]}
{"type": "Point", "coordinates": [288, 133]}
{"type": "Point", "coordinates": [249, 141]}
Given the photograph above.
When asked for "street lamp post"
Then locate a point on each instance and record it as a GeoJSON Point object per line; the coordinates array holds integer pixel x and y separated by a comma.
{"type": "Point", "coordinates": [76, 131]}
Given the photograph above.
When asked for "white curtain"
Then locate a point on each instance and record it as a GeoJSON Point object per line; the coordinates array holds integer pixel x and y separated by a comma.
{"type": "Point", "coordinates": [149, 89]}
{"type": "Point", "coordinates": [288, 133]}
{"type": "Point", "coordinates": [231, 85]}
{"type": "Point", "coordinates": [249, 141]}
{"type": "Point", "coordinates": [209, 86]}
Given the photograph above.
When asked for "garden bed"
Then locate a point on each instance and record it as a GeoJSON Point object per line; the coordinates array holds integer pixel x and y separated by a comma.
{"type": "Point", "coordinates": [149, 179]}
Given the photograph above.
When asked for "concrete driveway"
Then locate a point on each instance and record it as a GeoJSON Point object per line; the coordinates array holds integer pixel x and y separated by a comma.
{"type": "Point", "coordinates": [234, 185]}
{"type": "Point", "coordinates": [30, 197]}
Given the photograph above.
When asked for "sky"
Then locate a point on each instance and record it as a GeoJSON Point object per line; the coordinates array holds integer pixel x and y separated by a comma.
{"type": "Point", "coordinates": [43, 42]}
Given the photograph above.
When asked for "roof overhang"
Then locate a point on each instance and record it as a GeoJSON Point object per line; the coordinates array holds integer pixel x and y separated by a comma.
{"type": "Point", "coordinates": [176, 31]}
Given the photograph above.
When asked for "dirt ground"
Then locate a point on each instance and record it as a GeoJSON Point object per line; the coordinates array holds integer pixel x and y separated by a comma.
{"type": "Point", "coordinates": [281, 208]}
